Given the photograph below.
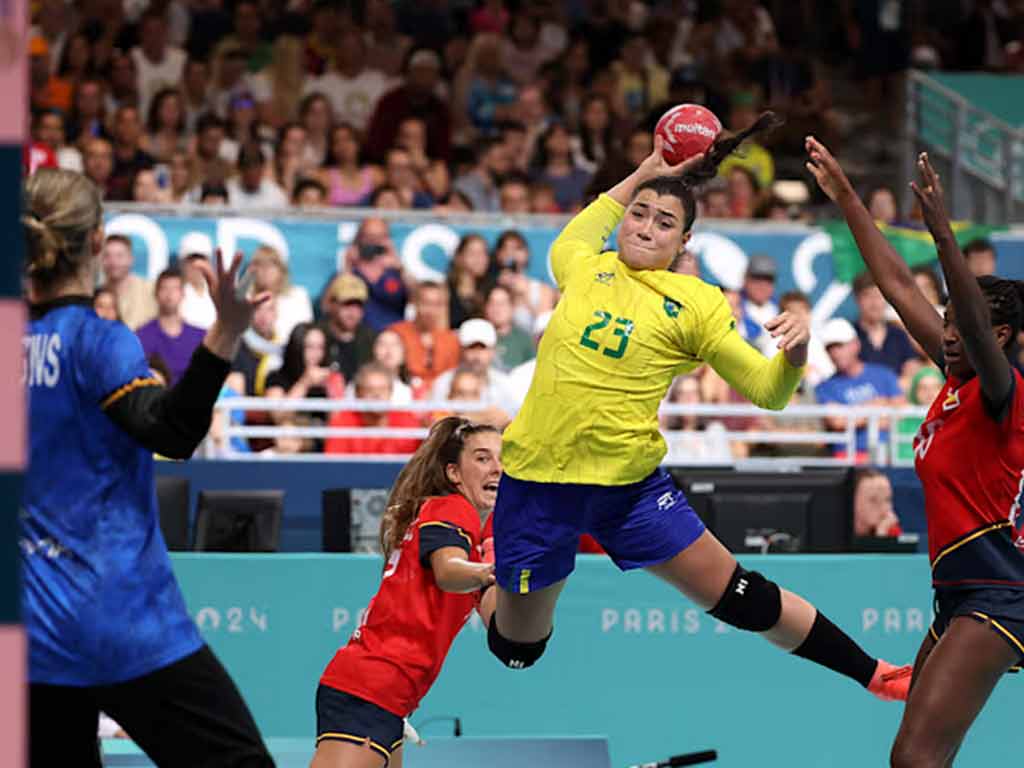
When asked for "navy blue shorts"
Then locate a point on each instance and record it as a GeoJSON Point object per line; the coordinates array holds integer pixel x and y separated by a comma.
{"type": "Point", "coordinates": [341, 716]}
{"type": "Point", "coordinates": [537, 527]}
{"type": "Point", "coordinates": [1001, 609]}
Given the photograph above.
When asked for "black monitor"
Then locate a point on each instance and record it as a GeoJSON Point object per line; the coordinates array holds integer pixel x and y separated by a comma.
{"type": "Point", "coordinates": [805, 511]}
{"type": "Point", "coordinates": [172, 498]}
{"type": "Point", "coordinates": [239, 521]}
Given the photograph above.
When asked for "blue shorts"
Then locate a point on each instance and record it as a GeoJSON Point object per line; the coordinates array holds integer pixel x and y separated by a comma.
{"type": "Point", "coordinates": [1002, 609]}
{"type": "Point", "coordinates": [537, 526]}
{"type": "Point", "coordinates": [341, 716]}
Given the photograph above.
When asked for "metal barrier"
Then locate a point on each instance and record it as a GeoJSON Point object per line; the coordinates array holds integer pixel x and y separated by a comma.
{"type": "Point", "coordinates": [883, 443]}
{"type": "Point", "coordinates": [980, 156]}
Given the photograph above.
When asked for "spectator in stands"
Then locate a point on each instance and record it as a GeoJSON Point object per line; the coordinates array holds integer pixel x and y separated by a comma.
{"type": "Point", "coordinates": [882, 205]}
{"type": "Point", "coordinates": [290, 161]}
{"type": "Point", "coordinates": [347, 181]}
{"type": "Point", "coordinates": [530, 297]}
{"type": "Point", "coordinates": [924, 387]}
{"type": "Point", "coordinates": [53, 25]}
{"type": "Point", "coordinates": [480, 184]}
{"type": "Point", "coordinates": [277, 88]}
{"type": "Point", "coordinates": [983, 35]}
{"type": "Point", "coordinates": [325, 24]}
{"type": "Point", "coordinates": [304, 373]}
{"type": "Point", "coordinates": [931, 286]}
{"type": "Point", "coordinates": [535, 116]}
{"type": "Point", "coordinates": [180, 176]}
{"type": "Point", "coordinates": [469, 276]}
{"type": "Point", "coordinates": [122, 83]}
{"type": "Point", "coordinates": [349, 340]}
{"type": "Point", "coordinates": [168, 335]}
{"type": "Point", "coordinates": [743, 111]}
{"type": "Point", "coordinates": [229, 80]}
{"type": "Point", "coordinates": [594, 140]}
{"type": "Point", "coordinates": [88, 112]}
{"type": "Point", "coordinates": [165, 126]}
{"type": "Point", "coordinates": [482, 87]}
{"type": "Point", "coordinates": [389, 352]}
{"type": "Point", "coordinates": [744, 193]}
{"type": "Point", "coordinates": [705, 439]}
{"type": "Point", "coordinates": [759, 291]}
{"type": "Point", "coordinates": [197, 307]}
{"type": "Point", "coordinates": [248, 36]}
{"type": "Point", "coordinates": [521, 376]}
{"type": "Point", "coordinates": [129, 157]}
{"type": "Point", "coordinates": [873, 513]}
{"type": "Point", "coordinates": [469, 386]}
{"type": "Point", "coordinates": [881, 341]}
{"type": "Point", "coordinates": [568, 82]}
{"type": "Point", "coordinates": [259, 354]}
{"type": "Point", "coordinates": [553, 164]}
{"type": "Point", "coordinates": [48, 129]}
{"type": "Point", "coordinates": [158, 64]}
{"type": "Point", "coordinates": [252, 188]}
{"type": "Point", "coordinates": [431, 347]}
{"type": "Point", "coordinates": [315, 116]}
{"type": "Point", "coordinates": [309, 193]}
{"type": "Point", "coordinates": [981, 257]}
{"type": "Point", "coordinates": [514, 345]}
{"type": "Point", "coordinates": [415, 97]}
{"type": "Point", "coordinates": [146, 188]}
{"type": "Point", "coordinates": [213, 193]}
{"type": "Point", "coordinates": [819, 364]}
{"type": "Point", "coordinates": [478, 346]}
{"type": "Point", "coordinates": [641, 82]}
{"type": "Point", "coordinates": [372, 258]}
{"type": "Point", "coordinates": [400, 174]}
{"type": "Point", "coordinates": [270, 273]}
{"type": "Point", "coordinates": [209, 157]}
{"type": "Point", "coordinates": [76, 59]}
{"type": "Point", "coordinates": [432, 172]}
{"type": "Point", "coordinates": [135, 297]}
{"type": "Point", "coordinates": [352, 88]}
{"type": "Point", "coordinates": [854, 383]}
{"type": "Point", "coordinates": [104, 304]}
{"type": "Point", "coordinates": [195, 92]}
{"type": "Point", "coordinates": [48, 91]}
{"type": "Point", "coordinates": [514, 193]}
{"type": "Point", "coordinates": [386, 47]}
{"type": "Point", "coordinates": [523, 52]}
{"type": "Point", "coordinates": [375, 383]}
{"type": "Point", "coordinates": [386, 198]}
{"type": "Point", "coordinates": [714, 201]}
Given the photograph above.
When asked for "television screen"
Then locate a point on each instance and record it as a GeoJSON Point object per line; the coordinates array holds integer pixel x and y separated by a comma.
{"type": "Point", "coordinates": [239, 521]}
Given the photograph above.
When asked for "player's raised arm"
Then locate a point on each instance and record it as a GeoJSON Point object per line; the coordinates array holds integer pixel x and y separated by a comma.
{"type": "Point", "coordinates": [973, 318]}
{"type": "Point", "coordinates": [889, 270]}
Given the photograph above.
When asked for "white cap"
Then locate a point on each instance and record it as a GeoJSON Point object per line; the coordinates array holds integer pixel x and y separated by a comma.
{"type": "Point", "coordinates": [477, 331]}
{"type": "Point", "coordinates": [837, 331]}
{"type": "Point", "coordinates": [195, 244]}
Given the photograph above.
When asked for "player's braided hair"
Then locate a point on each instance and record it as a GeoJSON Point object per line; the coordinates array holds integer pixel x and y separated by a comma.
{"type": "Point", "coordinates": [61, 209]}
{"type": "Point", "coordinates": [683, 186]}
{"type": "Point", "coordinates": [1005, 302]}
{"type": "Point", "coordinates": [424, 476]}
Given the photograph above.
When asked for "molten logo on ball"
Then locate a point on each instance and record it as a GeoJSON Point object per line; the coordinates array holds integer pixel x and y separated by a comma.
{"type": "Point", "coordinates": [687, 130]}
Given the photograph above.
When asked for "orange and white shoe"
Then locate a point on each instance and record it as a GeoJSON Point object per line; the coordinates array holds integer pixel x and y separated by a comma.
{"type": "Point", "coordinates": [891, 683]}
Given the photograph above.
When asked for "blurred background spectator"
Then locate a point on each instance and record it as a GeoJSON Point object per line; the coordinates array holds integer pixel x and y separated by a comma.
{"type": "Point", "coordinates": [168, 335]}
{"type": "Point", "coordinates": [873, 513]}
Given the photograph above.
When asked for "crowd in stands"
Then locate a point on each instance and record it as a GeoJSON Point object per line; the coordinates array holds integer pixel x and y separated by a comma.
{"type": "Point", "coordinates": [515, 107]}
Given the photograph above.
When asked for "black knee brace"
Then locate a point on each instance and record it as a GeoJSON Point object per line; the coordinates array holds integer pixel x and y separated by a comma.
{"type": "Point", "coordinates": [514, 655]}
{"type": "Point", "coordinates": [750, 602]}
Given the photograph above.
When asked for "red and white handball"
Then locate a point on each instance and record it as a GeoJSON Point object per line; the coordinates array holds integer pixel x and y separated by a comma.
{"type": "Point", "coordinates": [687, 130]}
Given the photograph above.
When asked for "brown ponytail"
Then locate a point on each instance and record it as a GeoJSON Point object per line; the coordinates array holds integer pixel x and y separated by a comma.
{"type": "Point", "coordinates": [424, 476]}
{"type": "Point", "coordinates": [61, 210]}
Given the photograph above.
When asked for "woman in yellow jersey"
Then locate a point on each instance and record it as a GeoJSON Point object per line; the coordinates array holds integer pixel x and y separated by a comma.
{"type": "Point", "coordinates": [583, 454]}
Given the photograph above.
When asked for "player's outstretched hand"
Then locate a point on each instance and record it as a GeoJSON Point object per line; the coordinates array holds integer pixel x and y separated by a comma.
{"type": "Point", "coordinates": [229, 294]}
{"type": "Point", "coordinates": [793, 333]}
{"type": "Point", "coordinates": [826, 170]}
{"type": "Point", "coordinates": [932, 198]}
{"type": "Point", "coordinates": [655, 164]}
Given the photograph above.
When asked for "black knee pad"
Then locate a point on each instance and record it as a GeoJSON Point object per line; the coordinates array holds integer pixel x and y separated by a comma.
{"type": "Point", "coordinates": [750, 602]}
{"type": "Point", "coordinates": [514, 655]}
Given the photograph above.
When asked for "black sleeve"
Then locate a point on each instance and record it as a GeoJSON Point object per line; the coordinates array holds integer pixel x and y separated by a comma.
{"type": "Point", "coordinates": [435, 535]}
{"type": "Point", "coordinates": [172, 422]}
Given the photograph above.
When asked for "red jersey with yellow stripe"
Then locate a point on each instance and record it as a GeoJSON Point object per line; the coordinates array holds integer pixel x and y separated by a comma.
{"type": "Point", "coordinates": [396, 653]}
{"type": "Point", "coordinates": [972, 469]}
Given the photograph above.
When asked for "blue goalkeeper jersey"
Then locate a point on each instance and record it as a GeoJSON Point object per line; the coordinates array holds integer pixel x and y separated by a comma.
{"type": "Point", "coordinates": [100, 601]}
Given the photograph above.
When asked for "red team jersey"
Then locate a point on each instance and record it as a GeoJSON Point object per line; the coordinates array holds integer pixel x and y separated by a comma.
{"type": "Point", "coordinates": [972, 471]}
{"type": "Point", "coordinates": [395, 655]}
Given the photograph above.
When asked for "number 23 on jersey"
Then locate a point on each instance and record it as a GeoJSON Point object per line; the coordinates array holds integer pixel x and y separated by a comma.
{"type": "Point", "coordinates": [622, 330]}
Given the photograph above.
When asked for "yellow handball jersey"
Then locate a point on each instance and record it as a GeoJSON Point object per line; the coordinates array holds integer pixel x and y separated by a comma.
{"type": "Point", "coordinates": [608, 356]}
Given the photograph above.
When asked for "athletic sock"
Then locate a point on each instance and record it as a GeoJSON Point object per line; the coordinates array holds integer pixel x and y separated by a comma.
{"type": "Point", "coordinates": [828, 645]}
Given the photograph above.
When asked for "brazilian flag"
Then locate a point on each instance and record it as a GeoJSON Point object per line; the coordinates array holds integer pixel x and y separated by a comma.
{"type": "Point", "coordinates": [916, 246]}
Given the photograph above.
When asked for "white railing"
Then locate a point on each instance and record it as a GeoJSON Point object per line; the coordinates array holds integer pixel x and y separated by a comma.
{"type": "Point", "coordinates": [880, 422]}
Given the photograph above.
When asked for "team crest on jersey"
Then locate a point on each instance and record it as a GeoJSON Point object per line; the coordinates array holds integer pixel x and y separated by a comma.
{"type": "Point", "coordinates": [604, 278]}
{"type": "Point", "coordinates": [672, 308]}
{"type": "Point", "coordinates": [952, 400]}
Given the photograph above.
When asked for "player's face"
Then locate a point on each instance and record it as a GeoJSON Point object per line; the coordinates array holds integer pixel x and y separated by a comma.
{"type": "Point", "coordinates": [477, 474]}
{"type": "Point", "coordinates": [957, 363]}
{"type": "Point", "coordinates": [651, 234]}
